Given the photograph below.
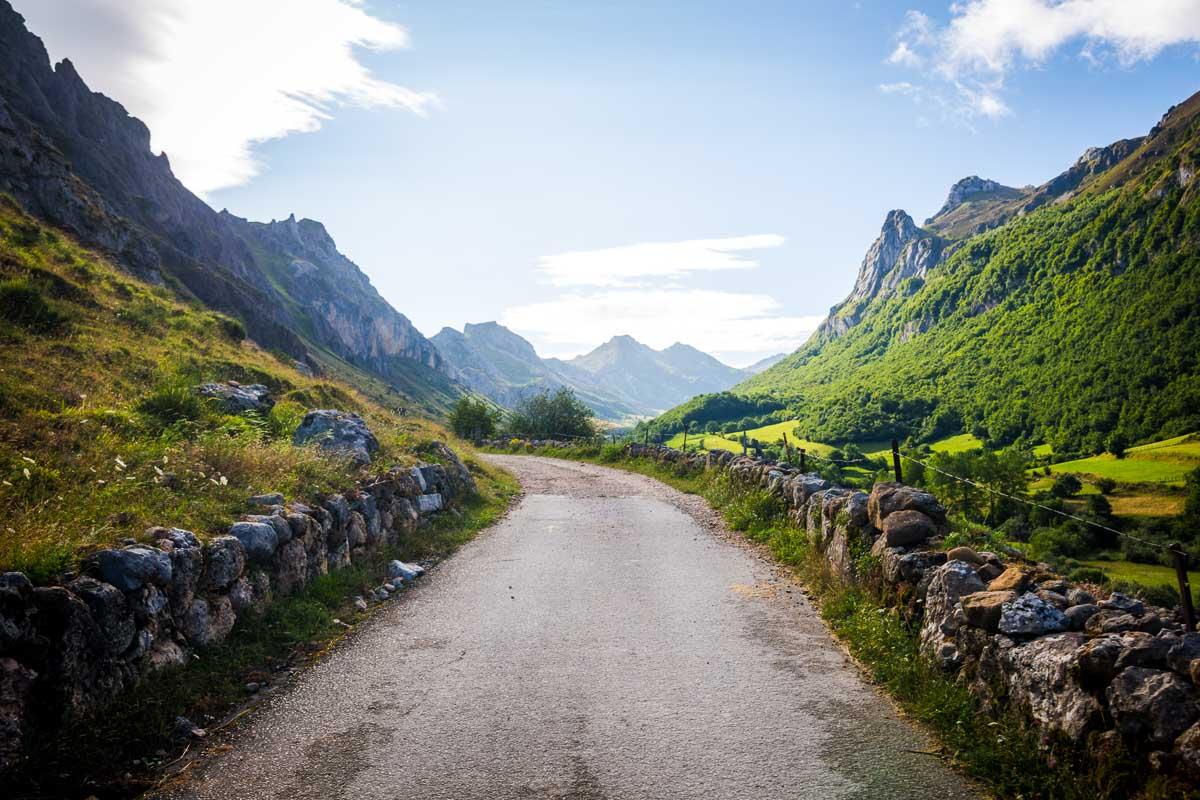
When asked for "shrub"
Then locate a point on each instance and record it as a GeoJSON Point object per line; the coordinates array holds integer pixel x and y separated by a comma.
{"type": "Point", "coordinates": [173, 403]}
{"type": "Point", "coordinates": [610, 453]}
{"type": "Point", "coordinates": [548, 415]}
{"type": "Point", "coordinates": [1106, 485]}
{"type": "Point", "coordinates": [233, 329]}
{"type": "Point", "coordinates": [1087, 575]}
{"type": "Point", "coordinates": [1166, 596]}
{"type": "Point", "coordinates": [473, 419]}
{"type": "Point", "coordinates": [1053, 543]}
{"type": "Point", "coordinates": [22, 304]}
{"type": "Point", "coordinates": [283, 419]}
{"type": "Point", "coordinates": [1066, 485]}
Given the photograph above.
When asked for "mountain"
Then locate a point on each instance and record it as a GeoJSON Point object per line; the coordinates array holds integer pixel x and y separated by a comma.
{"type": "Point", "coordinates": [621, 379]}
{"type": "Point", "coordinates": [765, 363]}
{"type": "Point", "coordinates": [1065, 313]}
{"type": "Point", "coordinates": [76, 159]}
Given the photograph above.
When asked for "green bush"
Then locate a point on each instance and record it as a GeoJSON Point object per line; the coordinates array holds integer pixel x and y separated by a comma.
{"type": "Point", "coordinates": [284, 418]}
{"type": "Point", "coordinates": [1052, 543]}
{"type": "Point", "coordinates": [1166, 596]}
{"type": "Point", "coordinates": [173, 403]}
{"type": "Point", "coordinates": [22, 304]}
{"type": "Point", "coordinates": [1066, 485]}
{"type": "Point", "coordinates": [1087, 575]}
{"type": "Point", "coordinates": [473, 419]}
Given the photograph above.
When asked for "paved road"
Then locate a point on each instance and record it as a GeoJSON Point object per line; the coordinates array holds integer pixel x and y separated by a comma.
{"type": "Point", "coordinates": [608, 639]}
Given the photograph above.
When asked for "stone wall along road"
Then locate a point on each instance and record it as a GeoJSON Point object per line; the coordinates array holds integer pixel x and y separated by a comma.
{"type": "Point", "coordinates": [607, 639]}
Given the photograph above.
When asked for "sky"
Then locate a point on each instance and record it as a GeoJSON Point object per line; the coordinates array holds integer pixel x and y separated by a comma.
{"type": "Point", "coordinates": [705, 172]}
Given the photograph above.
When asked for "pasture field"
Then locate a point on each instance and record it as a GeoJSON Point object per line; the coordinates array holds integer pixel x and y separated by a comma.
{"type": "Point", "coordinates": [1145, 574]}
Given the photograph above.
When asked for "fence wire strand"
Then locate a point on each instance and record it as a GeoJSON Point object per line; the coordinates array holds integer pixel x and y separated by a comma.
{"type": "Point", "coordinates": [1027, 502]}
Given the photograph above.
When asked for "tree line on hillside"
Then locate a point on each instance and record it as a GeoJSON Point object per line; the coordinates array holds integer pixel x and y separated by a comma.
{"type": "Point", "coordinates": [547, 414]}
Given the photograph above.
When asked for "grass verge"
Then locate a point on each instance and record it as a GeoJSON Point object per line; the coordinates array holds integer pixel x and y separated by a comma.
{"type": "Point", "coordinates": [121, 750]}
{"type": "Point", "coordinates": [1005, 754]}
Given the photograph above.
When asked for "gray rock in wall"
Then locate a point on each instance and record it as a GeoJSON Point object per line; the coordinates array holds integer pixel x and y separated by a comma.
{"type": "Point", "coordinates": [949, 584]}
{"type": "Point", "coordinates": [1030, 615]}
{"type": "Point", "coordinates": [110, 610]}
{"type": "Point", "coordinates": [133, 567]}
{"type": "Point", "coordinates": [1042, 678]}
{"type": "Point", "coordinates": [224, 561]}
{"type": "Point", "coordinates": [339, 432]}
{"type": "Point", "coordinates": [1152, 705]}
{"type": "Point", "coordinates": [429, 503]}
{"type": "Point", "coordinates": [259, 539]}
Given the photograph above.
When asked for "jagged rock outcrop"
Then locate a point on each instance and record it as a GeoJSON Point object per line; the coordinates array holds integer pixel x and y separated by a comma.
{"type": "Point", "coordinates": [76, 159]}
{"type": "Point", "coordinates": [901, 251]}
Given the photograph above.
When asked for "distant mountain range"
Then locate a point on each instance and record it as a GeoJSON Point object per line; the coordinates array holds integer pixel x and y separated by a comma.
{"type": "Point", "coordinates": [620, 379]}
{"type": "Point", "coordinates": [1066, 313]}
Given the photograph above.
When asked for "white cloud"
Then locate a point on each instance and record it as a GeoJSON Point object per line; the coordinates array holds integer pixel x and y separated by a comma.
{"type": "Point", "coordinates": [214, 78]}
{"type": "Point", "coordinates": [900, 87]}
{"type": "Point", "coordinates": [966, 59]}
{"type": "Point", "coordinates": [642, 290]}
{"type": "Point", "coordinates": [623, 266]}
{"type": "Point", "coordinates": [736, 326]}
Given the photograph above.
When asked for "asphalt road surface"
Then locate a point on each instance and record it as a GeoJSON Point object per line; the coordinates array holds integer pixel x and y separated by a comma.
{"type": "Point", "coordinates": [607, 639]}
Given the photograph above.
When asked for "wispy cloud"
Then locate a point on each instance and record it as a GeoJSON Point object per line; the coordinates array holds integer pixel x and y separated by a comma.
{"type": "Point", "coordinates": [642, 290]}
{"type": "Point", "coordinates": [215, 78]}
{"type": "Point", "coordinates": [630, 265]}
{"type": "Point", "coordinates": [964, 62]}
{"type": "Point", "coordinates": [737, 326]}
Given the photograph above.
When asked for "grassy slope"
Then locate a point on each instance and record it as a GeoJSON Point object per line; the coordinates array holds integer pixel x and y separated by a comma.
{"type": "Point", "coordinates": [1072, 321]}
{"type": "Point", "coordinates": [1166, 462]}
{"type": "Point", "coordinates": [100, 434]}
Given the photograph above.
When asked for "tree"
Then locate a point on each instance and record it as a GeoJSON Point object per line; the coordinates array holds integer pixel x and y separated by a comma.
{"type": "Point", "coordinates": [551, 415]}
{"type": "Point", "coordinates": [1066, 485]}
{"type": "Point", "coordinates": [473, 419]}
{"type": "Point", "coordinates": [1117, 443]}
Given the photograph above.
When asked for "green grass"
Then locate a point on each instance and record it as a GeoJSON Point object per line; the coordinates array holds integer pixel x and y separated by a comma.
{"type": "Point", "coordinates": [101, 434]}
{"type": "Point", "coordinates": [957, 444]}
{"type": "Point", "coordinates": [1162, 464]}
{"type": "Point", "coordinates": [1145, 574]}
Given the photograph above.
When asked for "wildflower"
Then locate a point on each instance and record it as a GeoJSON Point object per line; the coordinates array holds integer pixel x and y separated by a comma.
{"type": "Point", "coordinates": [28, 476]}
{"type": "Point", "coordinates": [224, 481]}
{"type": "Point", "coordinates": [159, 471]}
{"type": "Point", "coordinates": [6, 483]}
{"type": "Point", "coordinates": [120, 463]}
{"type": "Point", "coordinates": [30, 460]}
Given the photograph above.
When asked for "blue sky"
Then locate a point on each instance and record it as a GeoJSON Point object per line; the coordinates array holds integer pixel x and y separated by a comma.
{"type": "Point", "coordinates": [494, 147]}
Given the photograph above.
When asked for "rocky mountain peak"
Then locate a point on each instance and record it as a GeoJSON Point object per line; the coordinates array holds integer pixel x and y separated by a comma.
{"type": "Point", "coordinates": [965, 189]}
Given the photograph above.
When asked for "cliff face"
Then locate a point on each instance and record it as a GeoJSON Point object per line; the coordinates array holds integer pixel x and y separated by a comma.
{"type": "Point", "coordinates": [78, 160]}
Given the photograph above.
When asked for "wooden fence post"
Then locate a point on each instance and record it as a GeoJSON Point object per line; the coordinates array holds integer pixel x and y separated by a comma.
{"type": "Point", "coordinates": [896, 461]}
{"type": "Point", "coordinates": [802, 459]}
{"type": "Point", "coordinates": [787, 449]}
{"type": "Point", "coordinates": [1185, 586]}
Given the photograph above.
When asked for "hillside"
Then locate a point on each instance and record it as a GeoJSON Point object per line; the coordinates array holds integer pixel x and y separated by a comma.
{"type": "Point", "coordinates": [620, 380]}
{"type": "Point", "coordinates": [76, 159]}
{"type": "Point", "coordinates": [102, 432]}
{"type": "Point", "coordinates": [1070, 315]}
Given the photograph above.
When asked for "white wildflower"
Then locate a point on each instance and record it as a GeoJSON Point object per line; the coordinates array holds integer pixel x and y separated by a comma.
{"type": "Point", "coordinates": [30, 460]}
{"type": "Point", "coordinates": [28, 476]}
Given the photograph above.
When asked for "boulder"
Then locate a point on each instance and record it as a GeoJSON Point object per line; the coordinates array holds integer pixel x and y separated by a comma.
{"type": "Point", "coordinates": [1078, 597]}
{"type": "Point", "coordinates": [291, 567]}
{"type": "Point", "coordinates": [268, 499]}
{"type": "Point", "coordinates": [1114, 621]}
{"type": "Point", "coordinates": [1097, 662]}
{"type": "Point", "coordinates": [1120, 602]}
{"type": "Point", "coordinates": [110, 610]}
{"type": "Point", "coordinates": [888, 498]}
{"type": "Point", "coordinates": [1043, 680]}
{"type": "Point", "coordinates": [283, 531]}
{"type": "Point", "coordinates": [259, 538]}
{"type": "Point", "coordinates": [1013, 579]}
{"type": "Point", "coordinates": [989, 572]}
{"type": "Point", "coordinates": [949, 584]}
{"type": "Point", "coordinates": [1030, 615]}
{"type": "Point", "coordinates": [208, 621]}
{"type": "Point", "coordinates": [1079, 615]}
{"type": "Point", "coordinates": [133, 567]}
{"type": "Point", "coordinates": [905, 528]}
{"type": "Point", "coordinates": [1140, 649]}
{"type": "Point", "coordinates": [16, 611]}
{"type": "Point", "coordinates": [983, 609]}
{"type": "Point", "coordinates": [1184, 653]}
{"type": "Point", "coordinates": [429, 503]}
{"type": "Point", "coordinates": [339, 432]}
{"type": "Point", "coordinates": [400, 569]}
{"type": "Point", "coordinates": [1152, 706]}
{"type": "Point", "coordinates": [16, 706]}
{"type": "Point", "coordinates": [965, 554]}
{"type": "Point", "coordinates": [234, 398]}
{"type": "Point", "coordinates": [1187, 750]}
{"type": "Point", "coordinates": [225, 559]}
{"type": "Point", "coordinates": [1053, 598]}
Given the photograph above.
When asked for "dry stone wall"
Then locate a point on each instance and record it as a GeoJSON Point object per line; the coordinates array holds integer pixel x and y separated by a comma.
{"type": "Point", "coordinates": [1097, 668]}
{"type": "Point", "coordinates": [67, 650]}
